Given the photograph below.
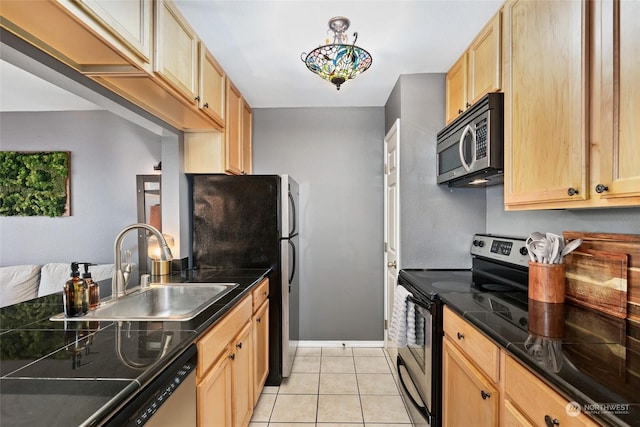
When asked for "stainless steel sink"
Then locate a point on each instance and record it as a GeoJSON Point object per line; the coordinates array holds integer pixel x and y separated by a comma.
{"type": "Point", "coordinates": [170, 302]}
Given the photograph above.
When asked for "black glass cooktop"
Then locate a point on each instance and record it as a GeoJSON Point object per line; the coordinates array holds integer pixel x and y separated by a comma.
{"type": "Point", "coordinates": [431, 283]}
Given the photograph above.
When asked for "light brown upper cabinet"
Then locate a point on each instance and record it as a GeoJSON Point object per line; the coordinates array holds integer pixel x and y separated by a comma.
{"type": "Point", "coordinates": [456, 85]}
{"type": "Point", "coordinates": [237, 133]}
{"type": "Point", "coordinates": [247, 138]}
{"type": "Point", "coordinates": [130, 22]}
{"type": "Point", "coordinates": [176, 59]}
{"type": "Point", "coordinates": [477, 72]}
{"type": "Point", "coordinates": [571, 95]}
{"type": "Point", "coordinates": [212, 86]}
{"type": "Point", "coordinates": [223, 152]}
{"type": "Point", "coordinates": [233, 130]}
{"type": "Point", "coordinates": [616, 103]}
{"type": "Point", "coordinates": [92, 36]}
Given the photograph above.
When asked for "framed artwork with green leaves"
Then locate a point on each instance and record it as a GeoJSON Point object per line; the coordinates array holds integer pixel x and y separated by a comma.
{"type": "Point", "coordinates": [34, 183]}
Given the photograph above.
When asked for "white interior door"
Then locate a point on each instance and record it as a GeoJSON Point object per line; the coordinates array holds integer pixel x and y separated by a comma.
{"type": "Point", "coordinates": [391, 223]}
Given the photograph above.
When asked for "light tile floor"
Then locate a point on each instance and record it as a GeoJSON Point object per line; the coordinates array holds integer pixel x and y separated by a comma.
{"type": "Point", "coordinates": [329, 387]}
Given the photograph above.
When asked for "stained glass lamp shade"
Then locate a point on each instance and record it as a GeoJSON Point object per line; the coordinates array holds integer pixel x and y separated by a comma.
{"type": "Point", "coordinates": [339, 61]}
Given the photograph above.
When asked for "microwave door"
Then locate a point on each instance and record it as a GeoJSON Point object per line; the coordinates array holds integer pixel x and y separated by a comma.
{"type": "Point", "coordinates": [448, 161]}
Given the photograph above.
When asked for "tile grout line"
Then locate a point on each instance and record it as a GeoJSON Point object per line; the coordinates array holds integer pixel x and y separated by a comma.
{"type": "Point", "coordinates": [357, 375]}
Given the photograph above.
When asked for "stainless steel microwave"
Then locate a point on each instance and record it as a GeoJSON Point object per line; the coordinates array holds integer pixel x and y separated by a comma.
{"type": "Point", "coordinates": [470, 149]}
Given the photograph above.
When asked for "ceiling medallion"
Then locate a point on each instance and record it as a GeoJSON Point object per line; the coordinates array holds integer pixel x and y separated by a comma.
{"type": "Point", "coordinates": [339, 61]}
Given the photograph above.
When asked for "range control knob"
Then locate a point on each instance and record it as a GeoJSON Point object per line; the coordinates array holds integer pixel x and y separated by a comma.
{"type": "Point", "coordinates": [476, 242]}
{"type": "Point", "coordinates": [523, 251]}
{"type": "Point", "coordinates": [481, 243]}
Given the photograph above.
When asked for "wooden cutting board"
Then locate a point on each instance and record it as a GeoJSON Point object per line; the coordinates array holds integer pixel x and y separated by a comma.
{"type": "Point", "coordinates": [598, 280]}
{"type": "Point", "coordinates": [628, 244]}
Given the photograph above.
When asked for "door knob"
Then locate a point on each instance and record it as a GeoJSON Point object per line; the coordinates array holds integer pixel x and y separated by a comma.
{"type": "Point", "coordinates": [393, 264]}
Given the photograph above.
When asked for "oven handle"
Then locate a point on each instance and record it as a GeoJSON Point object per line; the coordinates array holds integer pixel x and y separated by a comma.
{"type": "Point", "coordinates": [424, 304]}
{"type": "Point", "coordinates": [422, 409]}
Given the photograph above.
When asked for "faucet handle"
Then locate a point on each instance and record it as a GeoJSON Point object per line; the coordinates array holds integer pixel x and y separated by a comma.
{"type": "Point", "coordinates": [127, 258]}
{"type": "Point", "coordinates": [126, 267]}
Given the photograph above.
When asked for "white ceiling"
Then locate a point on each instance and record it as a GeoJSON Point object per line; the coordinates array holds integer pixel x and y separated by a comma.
{"type": "Point", "coordinates": [259, 43]}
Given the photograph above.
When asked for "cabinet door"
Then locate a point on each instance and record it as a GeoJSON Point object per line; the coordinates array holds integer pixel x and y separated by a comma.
{"type": "Point", "coordinates": [481, 350]}
{"type": "Point", "coordinates": [484, 62]}
{"type": "Point", "coordinates": [214, 395]}
{"type": "Point", "coordinates": [247, 135]}
{"type": "Point", "coordinates": [469, 398]}
{"type": "Point", "coordinates": [619, 107]}
{"type": "Point", "coordinates": [176, 56]}
{"type": "Point", "coordinates": [512, 417]}
{"type": "Point", "coordinates": [233, 128]}
{"type": "Point", "coordinates": [456, 89]}
{"type": "Point", "coordinates": [212, 86]}
{"type": "Point", "coordinates": [85, 44]}
{"type": "Point", "coordinates": [546, 102]}
{"type": "Point", "coordinates": [536, 401]}
{"type": "Point", "coordinates": [242, 377]}
{"type": "Point", "coordinates": [129, 21]}
{"type": "Point", "coordinates": [261, 349]}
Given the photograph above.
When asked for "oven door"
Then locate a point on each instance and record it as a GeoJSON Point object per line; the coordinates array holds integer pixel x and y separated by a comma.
{"type": "Point", "coordinates": [416, 365]}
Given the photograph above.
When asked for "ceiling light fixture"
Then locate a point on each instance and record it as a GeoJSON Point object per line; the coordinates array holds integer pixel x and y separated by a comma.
{"type": "Point", "coordinates": [339, 61]}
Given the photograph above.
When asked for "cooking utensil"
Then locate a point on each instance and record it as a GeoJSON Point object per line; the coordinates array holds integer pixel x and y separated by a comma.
{"type": "Point", "coordinates": [570, 247]}
{"type": "Point", "coordinates": [554, 251]}
{"type": "Point", "coordinates": [531, 251]}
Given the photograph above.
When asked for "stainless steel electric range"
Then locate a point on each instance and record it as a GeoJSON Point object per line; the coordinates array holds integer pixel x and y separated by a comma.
{"type": "Point", "coordinates": [499, 264]}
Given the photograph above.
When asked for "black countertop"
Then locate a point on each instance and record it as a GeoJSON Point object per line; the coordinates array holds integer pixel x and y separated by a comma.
{"type": "Point", "coordinates": [70, 373]}
{"type": "Point", "coordinates": [590, 358]}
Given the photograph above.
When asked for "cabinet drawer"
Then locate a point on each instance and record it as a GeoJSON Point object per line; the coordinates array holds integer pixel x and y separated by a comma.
{"type": "Point", "coordinates": [214, 342]}
{"type": "Point", "coordinates": [484, 353]}
{"type": "Point", "coordinates": [535, 399]}
{"type": "Point", "coordinates": [260, 294]}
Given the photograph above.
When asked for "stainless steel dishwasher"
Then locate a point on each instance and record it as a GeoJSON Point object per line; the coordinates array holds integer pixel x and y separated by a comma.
{"type": "Point", "coordinates": [168, 401]}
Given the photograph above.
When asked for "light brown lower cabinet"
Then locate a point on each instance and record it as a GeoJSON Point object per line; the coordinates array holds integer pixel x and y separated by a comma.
{"type": "Point", "coordinates": [531, 402]}
{"type": "Point", "coordinates": [242, 377]}
{"type": "Point", "coordinates": [485, 386]}
{"type": "Point", "coordinates": [225, 374]}
{"type": "Point", "coordinates": [261, 348]}
{"type": "Point", "coordinates": [512, 417]}
{"type": "Point", "coordinates": [214, 396]}
{"type": "Point", "coordinates": [470, 398]}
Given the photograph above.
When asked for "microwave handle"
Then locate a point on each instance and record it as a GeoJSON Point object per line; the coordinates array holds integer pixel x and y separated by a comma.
{"type": "Point", "coordinates": [468, 129]}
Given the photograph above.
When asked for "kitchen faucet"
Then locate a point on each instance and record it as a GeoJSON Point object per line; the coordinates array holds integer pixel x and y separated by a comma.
{"type": "Point", "coordinates": [118, 283]}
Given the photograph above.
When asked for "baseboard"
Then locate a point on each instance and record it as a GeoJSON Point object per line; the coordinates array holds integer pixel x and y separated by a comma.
{"type": "Point", "coordinates": [341, 344]}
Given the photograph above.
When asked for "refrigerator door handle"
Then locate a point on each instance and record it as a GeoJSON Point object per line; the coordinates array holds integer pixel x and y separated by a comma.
{"type": "Point", "coordinates": [293, 263]}
{"type": "Point", "coordinates": [294, 226]}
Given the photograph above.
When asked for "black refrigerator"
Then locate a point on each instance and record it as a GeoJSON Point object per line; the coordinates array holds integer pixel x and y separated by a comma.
{"type": "Point", "coordinates": [251, 221]}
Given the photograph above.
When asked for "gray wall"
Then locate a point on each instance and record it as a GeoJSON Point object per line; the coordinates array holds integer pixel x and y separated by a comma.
{"type": "Point", "coordinates": [107, 153]}
{"type": "Point", "coordinates": [335, 154]}
{"type": "Point", "coordinates": [436, 222]}
{"type": "Point", "coordinates": [522, 223]}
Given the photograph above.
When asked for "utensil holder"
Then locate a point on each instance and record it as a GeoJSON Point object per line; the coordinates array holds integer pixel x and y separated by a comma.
{"type": "Point", "coordinates": [546, 282]}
